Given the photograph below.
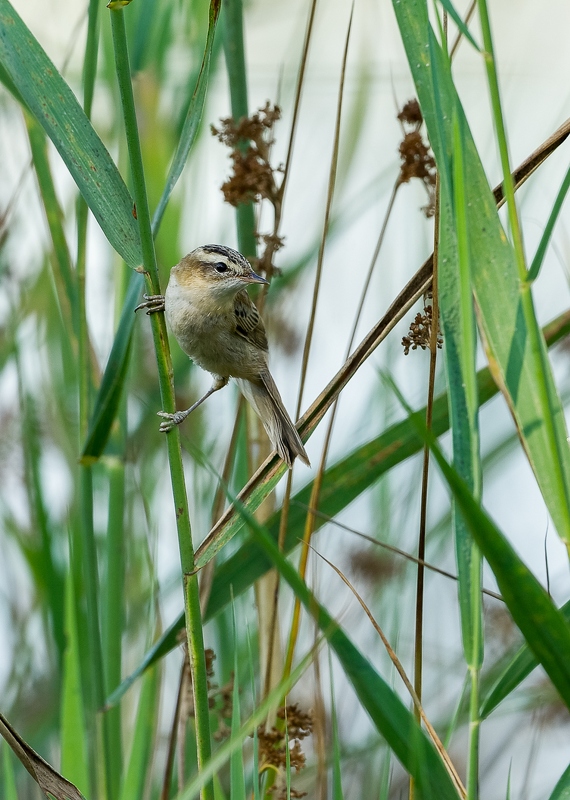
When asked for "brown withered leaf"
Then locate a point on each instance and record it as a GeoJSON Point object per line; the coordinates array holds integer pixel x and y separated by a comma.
{"type": "Point", "coordinates": [47, 778]}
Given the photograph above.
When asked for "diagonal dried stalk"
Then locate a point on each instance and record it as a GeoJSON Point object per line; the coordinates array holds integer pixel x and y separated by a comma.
{"type": "Point", "coordinates": [273, 468]}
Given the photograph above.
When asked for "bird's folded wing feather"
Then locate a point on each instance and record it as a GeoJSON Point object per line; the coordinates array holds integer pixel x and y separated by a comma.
{"type": "Point", "coordinates": [249, 324]}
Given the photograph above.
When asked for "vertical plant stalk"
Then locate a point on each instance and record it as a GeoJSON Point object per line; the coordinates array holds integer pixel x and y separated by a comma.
{"type": "Point", "coordinates": [309, 338]}
{"type": "Point", "coordinates": [535, 337]}
{"type": "Point", "coordinates": [194, 630]}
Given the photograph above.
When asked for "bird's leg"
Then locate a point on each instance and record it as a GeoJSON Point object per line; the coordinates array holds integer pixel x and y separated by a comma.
{"type": "Point", "coordinates": [154, 303]}
{"type": "Point", "coordinates": [170, 420]}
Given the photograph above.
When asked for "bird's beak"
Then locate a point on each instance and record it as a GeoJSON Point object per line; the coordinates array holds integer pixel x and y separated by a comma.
{"type": "Point", "coordinates": [253, 278]}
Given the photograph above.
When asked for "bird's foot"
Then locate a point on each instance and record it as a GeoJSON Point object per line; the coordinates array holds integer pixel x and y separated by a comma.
{"type": "Point", "coordinates": [170, 420]}
{"type": "Point", "coordinates": [153, 303]}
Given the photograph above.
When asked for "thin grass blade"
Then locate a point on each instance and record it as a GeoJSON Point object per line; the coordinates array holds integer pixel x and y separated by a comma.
{"type": "Point", "coordinates": [534, 268]}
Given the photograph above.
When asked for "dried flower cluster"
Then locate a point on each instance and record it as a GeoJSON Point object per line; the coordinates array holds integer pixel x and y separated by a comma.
{"type": "Point", "coordinates": [419, 334]}
{"type": "Point", "coordinates": [417, 160]}
{"type": "Point", "coordinates": [297, 725]}
{"type": "Point", "coordinates": [253, 178]}
{"type": "Point", "coordinates": [250, 140]}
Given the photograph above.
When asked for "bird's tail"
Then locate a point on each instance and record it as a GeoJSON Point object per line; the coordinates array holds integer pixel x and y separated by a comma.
{"type": "Point", "coordinates": [267, 403]}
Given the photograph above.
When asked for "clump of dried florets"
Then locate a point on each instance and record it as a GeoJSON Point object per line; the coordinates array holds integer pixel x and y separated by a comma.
{"type": "Point", "coordinates": [419, 334]}
{"type": "Point", "coordinates": [296, 725]}
{"type": "Point", "coordinates": [417, 160]}
{"type": "Point", "coordinates": [250, 139]}
{"type": "Point", "coordinates": [253, 178]}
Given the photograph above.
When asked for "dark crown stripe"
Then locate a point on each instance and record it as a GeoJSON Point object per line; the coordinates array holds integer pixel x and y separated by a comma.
{"type": "Point", "coordinates": [227, 252]}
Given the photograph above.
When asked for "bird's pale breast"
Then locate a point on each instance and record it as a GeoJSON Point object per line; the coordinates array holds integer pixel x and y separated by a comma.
{"type": "Point", "coordinates": [206, 333]}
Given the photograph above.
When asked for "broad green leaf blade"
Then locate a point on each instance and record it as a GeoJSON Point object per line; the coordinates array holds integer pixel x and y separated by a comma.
{"type": "Point", "coordinates": [55, 107]}
{"type": "Point", "coordinates": [521, 371]}
{"type": "Point", "coordinates": [519, 667]}
{"type": "Point", "coordinates": [192, 120]}
{"type": "Point", "coordinates": [109, 394]}
{"type": "Point", "coordinates": [543, 626]}
{"type": "Point", "coordinates": [562, 789]}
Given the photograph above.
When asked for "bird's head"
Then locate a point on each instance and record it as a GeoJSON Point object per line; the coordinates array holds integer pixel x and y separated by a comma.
{"type": "Point", "coordinates": [216, 269]}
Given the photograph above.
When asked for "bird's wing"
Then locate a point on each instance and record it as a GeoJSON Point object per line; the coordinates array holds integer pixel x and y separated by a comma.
{"type": "Point", "coordinates": [249, 324]}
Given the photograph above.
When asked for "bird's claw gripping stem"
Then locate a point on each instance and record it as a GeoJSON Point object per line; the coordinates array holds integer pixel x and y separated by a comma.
{"type": "Point", "coordinates": [170, 420]}
{"type": "Point", "coordinates": [153, 303]}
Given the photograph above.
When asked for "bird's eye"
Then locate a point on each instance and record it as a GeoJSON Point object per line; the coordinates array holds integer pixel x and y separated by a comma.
{"type": "Point", "coordinates": [221, 267]}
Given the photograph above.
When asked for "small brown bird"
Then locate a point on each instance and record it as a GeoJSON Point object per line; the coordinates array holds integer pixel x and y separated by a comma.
{"type": "Point", "coordinates": [210, 313]}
